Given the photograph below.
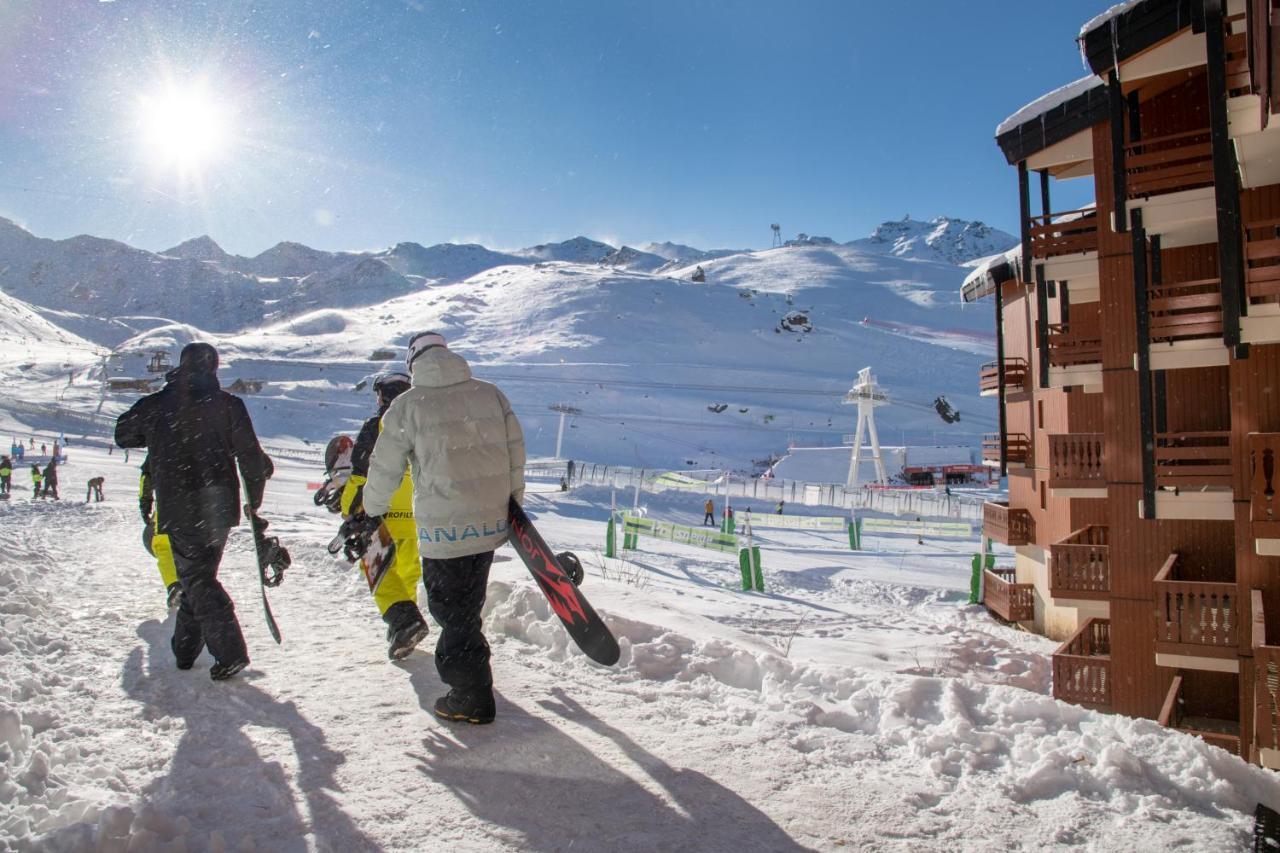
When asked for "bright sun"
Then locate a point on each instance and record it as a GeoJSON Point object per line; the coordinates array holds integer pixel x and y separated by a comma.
{"type": "Point", "coordinates": [185, 128]}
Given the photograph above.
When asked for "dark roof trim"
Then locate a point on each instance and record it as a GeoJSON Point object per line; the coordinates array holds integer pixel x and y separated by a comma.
{"type": "Point", "coordinates": [1135, 29]}
{"type": "Point", "coordinates": [1055, 124]}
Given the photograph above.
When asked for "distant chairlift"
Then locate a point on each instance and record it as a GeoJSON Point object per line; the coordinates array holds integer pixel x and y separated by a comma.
{"type": "Point", "coordinates": [159, 362]}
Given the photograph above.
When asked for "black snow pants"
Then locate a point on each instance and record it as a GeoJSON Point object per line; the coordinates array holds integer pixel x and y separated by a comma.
{"type": "Point", "coordinates": [455, 596]}
{"type": "Point", "coordinates": [206, 617]}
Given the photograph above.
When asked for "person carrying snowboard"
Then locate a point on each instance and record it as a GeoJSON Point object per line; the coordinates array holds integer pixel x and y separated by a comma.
{"type": "Point", "coordinates": [157, 544]}
{"type": "Point", "coordinates": [197, 435]}
{"type": "Point", "coordinates": [37, 481]}
{"type": "Point", "coordinates": [396, 592]}
{"type": "Point", "coordinates": [709, 510]}
{"type": "Point", "coordinates": [6, 475]}
{"type": "Point", "coordinates": [51, 479]}
{"type": "Point", "coordinates": [465, 448]}
{"type": "Point", "coordinates": [95, 490]}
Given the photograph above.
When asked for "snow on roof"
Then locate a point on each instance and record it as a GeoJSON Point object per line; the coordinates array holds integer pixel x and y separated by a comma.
{"type": "Point", "coordinates": [1107, 16]}
{"type": "Point", "coordinates": [1044, 103]}
{"type": "Point", "coordinates": [981, 282]}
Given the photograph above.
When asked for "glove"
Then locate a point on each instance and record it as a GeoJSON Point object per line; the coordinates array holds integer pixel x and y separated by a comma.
{"type": "Point", "coordinates": [359, 529]}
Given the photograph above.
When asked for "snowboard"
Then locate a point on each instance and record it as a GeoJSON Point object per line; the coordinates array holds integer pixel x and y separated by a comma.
{"type": "Point", "coordinates": [581, 621]}
{"type": "Point", "coordinates": [273, 559]}
{"type": "Point", "coordinates": [337, 470]}
{"type": "Point", "coordinates": [375, 551]}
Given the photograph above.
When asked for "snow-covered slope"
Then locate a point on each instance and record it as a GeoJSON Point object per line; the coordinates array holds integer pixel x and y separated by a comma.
{"type": "Point", "coordinates": [684, 255]}
{"type": "Point", "coordinates": [627, 258]}
{"type": "Point", "coordinates": [952, 241]}
{"type": "Point", "coordinates": [445, 262]}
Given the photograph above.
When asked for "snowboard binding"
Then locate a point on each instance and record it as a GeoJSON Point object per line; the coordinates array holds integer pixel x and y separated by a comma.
{"type": "Point", "coordinates": [273, 557]}
{"type": "Point", "coordinates": [572, 565]}
{"type": "Point", "coordinates": [354, 536]}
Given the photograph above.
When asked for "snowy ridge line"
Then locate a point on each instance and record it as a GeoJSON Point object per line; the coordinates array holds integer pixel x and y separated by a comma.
{"type": "Point", "coordinates": [926, 504]}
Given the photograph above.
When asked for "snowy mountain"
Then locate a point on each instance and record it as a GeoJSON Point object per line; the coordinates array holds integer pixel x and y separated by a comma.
{"type": "Point", "coordinates": [579, 250]}
{"type": "Point", "coordinates": [445, 262]}
{"type": "Point", "coordinates": [627, 258]}
{"type": "Point", "coordinates": [684, 255]}
{"type": "Point", "coordinates": [953, 241]}
{"type": "Point", "coordinates": [202, 248]}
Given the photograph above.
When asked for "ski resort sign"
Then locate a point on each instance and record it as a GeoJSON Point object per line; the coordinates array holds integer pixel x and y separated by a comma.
{"type": "Point", "coordinates": [699, 537]}
{"type": "Point", "coordinates": [832, 524]}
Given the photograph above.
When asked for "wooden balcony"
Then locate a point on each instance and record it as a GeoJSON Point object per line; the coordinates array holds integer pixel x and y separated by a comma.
{"type": "Point", "coordinates": [1264, 502]}
{"type": "Point", "coordinates": [1075, 461]}
{"type": "Point", "coordinates": [1071, 346]}
{"type": "Point", "coordinates": [1266, 689]}
{"type": "Point", "coordinates": [1011, 601]}
{"type": "Point", "coordinates": [1193, 460]}
{"type": "Point", "coordinates": [1007, 526]}
{"type": "Point", "coordinates": [1224, 734]}
{"type": "Point", "coordinates": [1082, 666]}
{"type": "Point", "coordinates": [1015, 377]}
{"type": "Point", "coordinates": [1017, 448]}
{"type": "Point", "coordinates": [1195, 619]}
{"type": "Point", "coordinates": [1262, 257]}
{"type": "Point", "coordinates": [1185, 311]}
{"type": "Point", "coordinates": [1168, 164]}
{"type": "Point", "coordinates": [1080, 565]}
{"type": "Point", "coordinates": [1069, 233]}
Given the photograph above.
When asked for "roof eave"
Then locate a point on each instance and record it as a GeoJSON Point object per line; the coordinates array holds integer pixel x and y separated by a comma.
{"type": "Point", "coordinates": [1134, 30]}
{"type": "Point", "coordinates": [1054, 125]}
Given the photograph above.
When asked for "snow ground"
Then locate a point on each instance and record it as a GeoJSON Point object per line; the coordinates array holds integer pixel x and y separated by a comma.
{"type": "Point", "coordinates": [901, 719]}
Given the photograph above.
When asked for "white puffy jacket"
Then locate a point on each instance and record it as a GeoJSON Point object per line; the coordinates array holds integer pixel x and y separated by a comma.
{"type": "Point", "coordinates": [465, 449]}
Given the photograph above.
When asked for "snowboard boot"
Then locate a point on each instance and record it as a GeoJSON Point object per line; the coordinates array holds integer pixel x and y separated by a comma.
{"type": "Point", "coordinates": [175, 595]}
{"type": "Point", "coordinates": [405, 629]}
{"type": "Point", "coordinates": [223, 671]}
{"type": "Point", "coordinates": [181, 662]}
{"type": "Point", "coordinates": [467, 706]}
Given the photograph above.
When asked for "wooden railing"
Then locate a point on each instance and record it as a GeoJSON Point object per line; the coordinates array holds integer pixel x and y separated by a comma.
{"type": "Point", "coordinates": [1185, 311]}
{"type": "Point", "coordinates": [1075, 461]}
{"type": "Point", "coordinates": [1193, 460]}
{"type": "Point", "coordinates": [1194, 615]}
{"type": "Point", "coordinates": [1080, 564]}
{"type": "Point", "coordinates": [1266, 680]}
{"type": "Point", "coordinates": [1264, 484]}
{"type": "Point", "coordinates": [1262, 257]}
{"type": "Point", "coordinates": [1017, 448]}
{"type": "Point", "coordinates": [1168, 164]}
{"type": "Point", "coordinates": [1067, 233]}
{"type": "Point", "coordinates": [1007, 526]}
{"type": "Point", "coordinates": [1068, 346]}
{"type": "Point", "coordinates": [1003, 596]}
{"type": "Point", "coordinates": [1236, 44]}
{"type": "Point", "coordinates": [1174, 714]}
{"type": "Point", "coordinates": [1082, 666]}
{"type": "Point", "coordinates": [1015, 376]}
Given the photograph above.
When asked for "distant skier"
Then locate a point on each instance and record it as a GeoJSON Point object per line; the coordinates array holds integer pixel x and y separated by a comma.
{"type": "Point", "coordinates": [709, 513]}
{"type": "Point", "coordinates": [6, 475]}
{"type": "Point", "coordinates": [466, 449]}
{"type": "Point", "coordinates": [779, 510]}
{"type": "Point", "coordinates": [51, 479]}
{"type": "Point", "coordinates": [37, 481]}
{"type": "Point", "coordinates": [157, 544]}
{"type": "Point", "coordinates": [95, 490]}
{"type": "Point", "coordinates": [197, 435]}
{"type": "Point", "coordinates": [396, 593]}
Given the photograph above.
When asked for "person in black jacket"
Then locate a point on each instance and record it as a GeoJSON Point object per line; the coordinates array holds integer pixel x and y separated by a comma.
{"type": "Point", "coordinates": [51, 479]}
{"type": "Point", "coordinates": [197, 434]}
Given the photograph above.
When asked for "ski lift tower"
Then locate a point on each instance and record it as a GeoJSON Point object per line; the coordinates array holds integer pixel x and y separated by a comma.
{"type": "Point", "coordinates": [867, 396]}
{"type": "Point", "coordinates": [563, 410]}
{"type": "Point", "coordinates": [777, 234]}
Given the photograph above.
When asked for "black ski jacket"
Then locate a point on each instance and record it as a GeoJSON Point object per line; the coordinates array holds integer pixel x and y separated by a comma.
{"type": "Point", "coordinates": [196, 434]}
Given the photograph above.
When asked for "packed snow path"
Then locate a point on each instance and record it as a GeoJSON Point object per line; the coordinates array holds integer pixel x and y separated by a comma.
{"type": "Point", "coordinates": [703, 737]}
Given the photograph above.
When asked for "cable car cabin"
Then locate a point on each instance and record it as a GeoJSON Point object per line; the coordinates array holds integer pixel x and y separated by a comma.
{"type": "Point", "coordinates": [159, 362]}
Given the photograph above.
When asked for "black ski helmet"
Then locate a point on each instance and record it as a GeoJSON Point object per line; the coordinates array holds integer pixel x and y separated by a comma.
{"type": "Point", "coordinates": [388, 386]}
{"type": "Point", "coordinates": [199, 357]}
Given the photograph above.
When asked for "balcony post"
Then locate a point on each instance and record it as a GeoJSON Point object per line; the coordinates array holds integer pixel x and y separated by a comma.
{"type": "Point", "coordinates": [1226, 187]}
{"type": "Point", "coordinates": [1024, 213]}
{"type": "Point", "coordinates": [1145, 416]}
{"type": "Point", "coordinates": [1044, 195]}
{"type": "Point", "coordinates": [1000, 377]}
{"type": "Point", "coordinates": [1118, 193]}
{"type": "Point", "coordinates": [1042, 324]}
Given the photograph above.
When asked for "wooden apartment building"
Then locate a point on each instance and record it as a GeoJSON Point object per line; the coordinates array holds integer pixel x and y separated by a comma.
{"type": "Point", "coordinates": [1138, 373]}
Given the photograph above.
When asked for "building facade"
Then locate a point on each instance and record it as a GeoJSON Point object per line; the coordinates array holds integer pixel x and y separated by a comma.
{"type": "Point", "coordinates": [1138, 372]}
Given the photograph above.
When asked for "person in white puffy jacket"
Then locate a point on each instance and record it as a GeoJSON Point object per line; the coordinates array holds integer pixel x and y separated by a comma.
{"type": "Point", "coordinates": [465, 450]}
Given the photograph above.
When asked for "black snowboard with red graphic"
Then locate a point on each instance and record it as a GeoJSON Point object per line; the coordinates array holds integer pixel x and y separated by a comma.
{"type": "Point", "coordinates": [581, 621]}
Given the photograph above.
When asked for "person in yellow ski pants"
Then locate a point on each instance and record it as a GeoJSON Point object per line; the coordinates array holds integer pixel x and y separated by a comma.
{"type": "Point", "coordinates": [396, 592]}
{"type": "Point", "coordinates": [157, 544]}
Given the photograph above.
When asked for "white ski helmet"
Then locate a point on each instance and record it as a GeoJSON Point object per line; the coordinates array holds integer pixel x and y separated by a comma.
{"type": "Point", "coordinates": [420, 343]}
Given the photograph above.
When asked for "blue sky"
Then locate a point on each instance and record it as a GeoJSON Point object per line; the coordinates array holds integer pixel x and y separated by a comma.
{"type": "Point", "coordinates": [353, 125]}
